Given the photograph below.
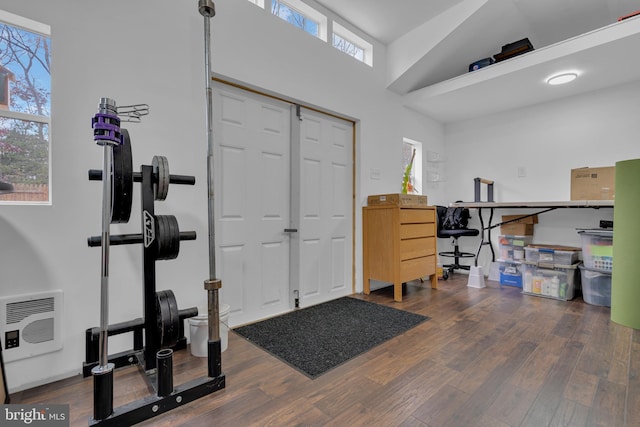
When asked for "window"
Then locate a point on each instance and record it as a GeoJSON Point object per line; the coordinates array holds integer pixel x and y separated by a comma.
{"type": "Point", "coordinates": [25, 104]}
{"type": "Point", "coordinates": [352, 45]}
{"type": "Point", "coordinates": [302, 16]}
{"type": "Point", "coordinates": [415, 178]}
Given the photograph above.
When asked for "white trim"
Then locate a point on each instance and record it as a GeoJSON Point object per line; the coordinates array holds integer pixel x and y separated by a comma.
{"type": "Point", "coordinates": [259, 3]}
{"type": "Point", "coordinates": [25, 23]}
{"type": "Point", "coordinates": [17, 115]}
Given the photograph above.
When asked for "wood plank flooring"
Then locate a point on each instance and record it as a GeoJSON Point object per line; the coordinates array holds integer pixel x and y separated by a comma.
{"type": "Point", "coordinates": [488, 357]}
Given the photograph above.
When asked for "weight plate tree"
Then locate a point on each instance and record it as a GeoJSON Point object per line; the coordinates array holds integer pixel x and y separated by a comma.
{"type": "Point", "coordinates": [160, 332]}
{"type": "Point", "coordinates": [161, 241]}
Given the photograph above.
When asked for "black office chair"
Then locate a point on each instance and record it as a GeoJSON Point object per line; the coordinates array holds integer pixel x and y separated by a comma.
{"type": "Point", "coordinates": [449, 228]}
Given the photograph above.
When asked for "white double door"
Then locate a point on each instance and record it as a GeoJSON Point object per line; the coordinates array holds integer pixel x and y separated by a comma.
{"type": "Point", "coordinates": [283, 204]}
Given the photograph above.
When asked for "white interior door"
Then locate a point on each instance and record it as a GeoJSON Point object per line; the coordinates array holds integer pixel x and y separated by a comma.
{"type": "Point", "coordinates": [280, 168]}
{"type": "Point", "coordinates": [252, 197]}
{"type": "Point", "coordinates": [323, 261]}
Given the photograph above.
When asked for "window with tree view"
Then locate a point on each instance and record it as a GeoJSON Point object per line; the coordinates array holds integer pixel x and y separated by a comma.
{"type": "Point", "coordinates": [25, 110]}
{"type": "Point", "coordinates": [295, 17]}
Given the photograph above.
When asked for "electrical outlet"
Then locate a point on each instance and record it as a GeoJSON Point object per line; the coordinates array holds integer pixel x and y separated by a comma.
{"type": "Point", "coordinates": [375, 174]}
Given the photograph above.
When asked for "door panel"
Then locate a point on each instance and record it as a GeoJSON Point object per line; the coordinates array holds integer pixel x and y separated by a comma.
{"type": "Point", "coordinates": [325, 255]}
{"type": "Point", "coordinates": [252, 158]}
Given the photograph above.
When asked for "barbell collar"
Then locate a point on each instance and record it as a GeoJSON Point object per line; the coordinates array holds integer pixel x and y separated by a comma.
{"type": "Point", "coordinates": [212, 284]}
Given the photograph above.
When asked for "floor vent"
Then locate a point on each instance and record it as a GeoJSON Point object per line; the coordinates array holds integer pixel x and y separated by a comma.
{"type": "Point", "coordinates": [30, 324]}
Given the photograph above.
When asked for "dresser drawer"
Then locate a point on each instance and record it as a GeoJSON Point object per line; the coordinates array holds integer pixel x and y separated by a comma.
{"type": "Point", "coordinates": [413, 231]}
{"type": "Point", "coordinates": [416, 268]}
{"type": "Point", "coordinates": [416, 248]}
{"type": "Point", "coordinates": [409, 216]}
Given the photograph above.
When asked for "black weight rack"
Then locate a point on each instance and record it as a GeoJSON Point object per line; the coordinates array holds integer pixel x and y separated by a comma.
{"type": "Point", "coordinates": [160, 331]}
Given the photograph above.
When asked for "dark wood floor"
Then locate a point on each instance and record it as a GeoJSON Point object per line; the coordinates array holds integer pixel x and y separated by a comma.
{"type": "Point", "coordinates": [488, 357]}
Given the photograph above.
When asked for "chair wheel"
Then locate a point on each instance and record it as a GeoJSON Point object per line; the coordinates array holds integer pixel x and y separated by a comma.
{"type": "Point", "coordinates": [445, 275]}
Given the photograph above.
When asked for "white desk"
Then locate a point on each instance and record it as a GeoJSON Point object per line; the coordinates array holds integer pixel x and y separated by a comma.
{"type": "Point", "coordinates": [485, 234]}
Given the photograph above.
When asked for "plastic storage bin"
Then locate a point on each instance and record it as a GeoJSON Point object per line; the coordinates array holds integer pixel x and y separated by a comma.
{"type": "Point", "coordinates": [511, 248]}
{"type": "Point", "coordinates": [550, 280]}
{"type": "Point", "coordinates": [596, 286]}
{"type": "Point", "coordinates": [552, 254]}
{"type": "Point", "coordinates": [597, 249]}
{"type": "Point", "coordinates": [510, 274]}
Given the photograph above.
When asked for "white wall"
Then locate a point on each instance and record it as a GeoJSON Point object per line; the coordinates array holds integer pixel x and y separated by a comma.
{"type": "Point", "coordinates": [548, 140]}
{"type": "Point", "coordinates": [153, 52]}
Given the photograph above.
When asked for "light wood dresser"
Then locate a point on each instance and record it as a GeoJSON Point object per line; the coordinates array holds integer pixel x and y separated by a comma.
{"type": "Point", "coordinates": [399, 245]}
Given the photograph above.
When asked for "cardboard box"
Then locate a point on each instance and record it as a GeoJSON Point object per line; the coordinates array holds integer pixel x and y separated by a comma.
{"type": "Point", "coordinates": [517, 229]}
{"type": "Point", "coordinates": [533, 219]}
{"type": "Point", "coordinates": [593, 183]}
{"type": "Point", "coordinates": [397, 200]}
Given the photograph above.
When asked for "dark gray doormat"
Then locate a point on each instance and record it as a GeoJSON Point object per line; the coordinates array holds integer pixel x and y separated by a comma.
{"type": "Point", "coordinates": [316, 339]}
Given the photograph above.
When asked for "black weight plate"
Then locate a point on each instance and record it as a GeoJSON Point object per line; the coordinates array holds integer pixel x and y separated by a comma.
{"type": "Point", "coordinates": [173, 334]}
{"type": "Point", "coordinates": [122, 180]}
{"type": "Point", "coordinates": [168, 318]}
{"type": "Point", "coordinates": [161, 233]}
{"type": "Point", "coordinates": [175, 236]}
{"type": "Point", "coordinates": [168, 237]}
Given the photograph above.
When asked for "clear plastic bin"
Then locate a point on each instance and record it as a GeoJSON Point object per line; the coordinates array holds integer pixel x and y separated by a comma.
{"type": "Point", "coordinates": [550, 280]}
{"type": "Point", "coordinates": [597, 249]}
{"type": "Point", "coordinates": [511, 248]}
{"type": "Point", "coordinates": [596, 286]}
{"type": "Point", "coordinates": [552, 254]}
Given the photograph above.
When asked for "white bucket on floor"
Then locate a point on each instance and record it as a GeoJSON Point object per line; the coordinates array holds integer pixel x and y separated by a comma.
{"type": "Point", "coordinates": [199, 331]}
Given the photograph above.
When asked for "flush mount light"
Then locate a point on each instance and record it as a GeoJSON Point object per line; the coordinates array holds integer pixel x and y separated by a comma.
{"type": "Point", "coordinates": [562, 78]}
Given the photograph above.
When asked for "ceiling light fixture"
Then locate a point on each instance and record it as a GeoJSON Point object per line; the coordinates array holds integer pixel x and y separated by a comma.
{"type": "Point", "coordinates": [562, 78]}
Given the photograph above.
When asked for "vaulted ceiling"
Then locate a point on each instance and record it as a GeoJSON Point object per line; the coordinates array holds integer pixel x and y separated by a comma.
{"type": "Point", "coordinates": [464, 31]}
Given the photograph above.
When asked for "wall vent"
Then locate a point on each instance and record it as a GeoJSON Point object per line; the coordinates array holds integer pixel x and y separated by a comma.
{"type": "Point", "coordinates": [30, 324]}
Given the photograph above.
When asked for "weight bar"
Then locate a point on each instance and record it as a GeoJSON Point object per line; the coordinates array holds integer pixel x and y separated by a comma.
{"type": "Point", "coordinates": [168, 318]}
{"type": "Point", "coordinates": [96, 175]}
{"type": "Point", "coordinates": [167, 237]}
{"type": "Point", "coordinates": [134, 325]}
{"type": "Point", "coordinates": [131, 239]}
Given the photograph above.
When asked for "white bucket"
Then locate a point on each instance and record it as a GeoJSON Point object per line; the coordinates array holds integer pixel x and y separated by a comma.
{"type": "Point", "coordinates": [199, 331]}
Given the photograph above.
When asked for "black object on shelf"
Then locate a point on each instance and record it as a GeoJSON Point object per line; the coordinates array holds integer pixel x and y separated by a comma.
{"type": "Point", "coordinates": [481, 63]}
{"type": "Point", "coordinates": [606, 224]}
{"type": "Point", "coordinates": [514, 49]}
